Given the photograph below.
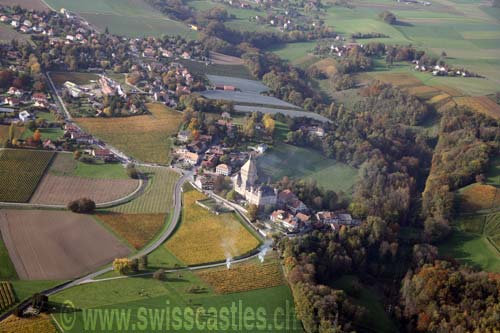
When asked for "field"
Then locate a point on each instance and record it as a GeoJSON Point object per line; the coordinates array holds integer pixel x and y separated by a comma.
{"type": "Point", "coordinates": [204, 237]}
{"type": "Point", "coordinates": [481, 104]}
{"type": "Point", "coordinates": [7, 297]}
{"type": "Point", "coordinates": [7, 34]}
{"type": "Point", "coordinates": [20, 173]}
{"type": "Point", "coordinates": [7, 269]}
{"type": "Point", "coordinates": [147, 138]}
{"type": "Point", "coordinates": [56, 245]}
{"type": "Point", "coordinates": [136, 229]}
{"type": "Point", "coordinates": [224, 59]}
{"type": "Point", "coordinates": [244, 97]}
{"type": "Point", "coordinates": [157, 197]}
{"type": "Point", "coordinates": [30, 4]}
{"type": "Point", "coordinates": [133, 18]}
{"type": "Point", "coordinates": [478, 197]}
{"type": "Point", "coordinates": [243, 277]}
{"type": "Point", "coordinates": [245, 85]}
{"type": "Point", "coordinates": [65, 165]}
{"type": "Point", "coordinates": [200, 68]}
{"type": "Point", "coordinates": [38, 324]}
{"type": "Point", "coordinates": [76, 77]}
{"type": "Point", "coordinates": [273, 110]}
{"type": "Point", "coordinates": [180, 290]}
{"type": "Point", "coordinates": [59, 190]}
{"type": "Point", "coordinates": [302, 163]}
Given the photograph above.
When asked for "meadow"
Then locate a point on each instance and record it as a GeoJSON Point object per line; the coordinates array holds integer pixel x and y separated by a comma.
{"type": "Point", "coordinates": [204, 237]}
{"type": "Point", "coordinates": [156, 198]}
{"type": "Point", "coordinates": [133, 18]}
{"type": "Point", "coordinates": [20, 173]}
{"type": "Point", "coordinates": [147, 138]}
{"type": "Point", "coordinates": [64, 164]}
{"type": "Point", "coordinates": [7, 269]}
{"type": "Point", "coordinates": [238, 71]}
{"type": "Point", "coordinates": [76, 77]}
{"type": "Point", "coordinates": [303, 163]}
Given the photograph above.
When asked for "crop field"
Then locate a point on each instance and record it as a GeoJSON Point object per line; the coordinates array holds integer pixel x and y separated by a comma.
{"type": "Point", "coordinates": [66, 245]}
{"type": "Point", "coordinates": [157, 198]}
{"type": "Point", "coordinates": [224, 59]}
{"type": "Point", "coordinates": [39, 324]}
{"type": "Point", "coordinates": [175, 291]}
{"type": "Point", "coordinates": [7, 269]}
{"type": "Point", "coordinates": [76, 77]}
{"type": "Point", "coordinates": [136, 229]}
{"type": "Point", "coordinates": [30, 4]}
{"type": "Point", "coordinates": [204, 237]}
{"type": "Point", "coordinates": [243, 97]}
{"type": "Point", "coordinates": [7, 297]}
{"type": "Point", "coordinates": [245, 85]}
{"type": "Point", "coordinates": [59, 190]}
{"type": "Point", "coordinates": [65, 165]}
{"type": "Point", "coordinates": [200, 68]}
{"type": "Point", "coordinates": [7, 34]}
{"type": "Point", "coordinates": [302, 163]}
{"type": "Point", "coordinates": [133, 18]}
{"type": "Point", "coordinates": [20, 173]}
{"type": "Point", "coordinates": [288, 112]}
{"type": "Point", "coordinates": [480, 104]}
{"type": "Point", "coordinates": [243, 277]}
{"type": "Point", "coordinates": [147, 137]}
{"type": "Point", "coordinates": [478, 197]}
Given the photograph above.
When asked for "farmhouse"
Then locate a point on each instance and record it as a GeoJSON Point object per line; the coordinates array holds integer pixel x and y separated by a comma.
{"type": "Point", "coordinates": [245, 183]}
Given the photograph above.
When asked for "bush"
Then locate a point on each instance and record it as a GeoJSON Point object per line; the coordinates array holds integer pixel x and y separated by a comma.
{"type": "Point", "coordinates": [87, 159]}
{"type": "Point", "coordinates": [160, 275]}
{"type": "Point", "coordinates": [121, 265]}
{"type": "Point", "coordinates": [143, 262]}
{"type": "Point", "coordinates": [82, 206]}
{"type": "Point", "coordinates": [388, 17]}
{"type": "Point", "coordinates": [133, 265]}
{"type": "Point", "coordinates": [132, 172]}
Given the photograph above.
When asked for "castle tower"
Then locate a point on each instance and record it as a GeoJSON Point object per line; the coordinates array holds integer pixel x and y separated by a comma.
{"type": "Point", "coordinates": [248, 173]}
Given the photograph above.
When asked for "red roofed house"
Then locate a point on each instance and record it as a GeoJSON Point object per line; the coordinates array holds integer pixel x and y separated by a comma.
{"type": "Point", "coordinates": [223, 169]}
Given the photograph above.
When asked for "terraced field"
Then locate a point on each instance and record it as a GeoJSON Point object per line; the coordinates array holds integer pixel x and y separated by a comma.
{"type": "Point", "coordinates": [20, 173]}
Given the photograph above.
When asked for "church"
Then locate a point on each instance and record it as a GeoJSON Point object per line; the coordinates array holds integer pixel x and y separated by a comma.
{"type": "Point", "coordinates": [246, 184]}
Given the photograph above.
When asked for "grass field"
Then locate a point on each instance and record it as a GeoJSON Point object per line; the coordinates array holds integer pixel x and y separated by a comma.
{"type": "Point", "coordinates": [204, 237]}
{"type": "Point", "coordinates": [147, 138]}
{"type": "Point", "coordinates": [157, 197]}
{"type": "Point", "coordinates": [76, 77]}
{"type": "Point", "coordinates": [7, 269]}
{"type": "Point", "coordinates": [65, 165]}
{"type": "Point", "coordinates": [134, 18]}
{"type": "Point", "coordinates": [183, 290]}
{"type": "Point", "coordinates": [136, 229]}
{"type": "Point", "coordinates": [375, 318]}
{"type": "Point", "coordinates": [302, 163]}
{"type": "Point", "coordinates": [20, 173]}
{"type": "Point", "coordinates": [239, 71]}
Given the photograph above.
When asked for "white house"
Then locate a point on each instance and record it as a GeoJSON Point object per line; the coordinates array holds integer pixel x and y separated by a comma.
{"type": "Point", "coordinates": [223, 169]}
{"type": "Point", "coordinates": [24, 116]}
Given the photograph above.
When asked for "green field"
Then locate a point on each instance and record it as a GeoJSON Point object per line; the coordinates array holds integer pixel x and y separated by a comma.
{"type": "Point", "coordinates": [76, 77]}
{"type": "Point", "coordinates": [7, 270]}
{"type": "Point", "coordinates": [134, 18]}
{"type": "Point", "coordinates": [157, 197]}
{"type": "Point", "coordinates": [132, 294]}
{"type": "Point", "coordinates": [295, 162]}
{"type": "Point", "coordinates": [376, 318]}
{"type": "Point", "coordinates": [239, 71]}
{"type": "Point", "coordinates": [65, 165]}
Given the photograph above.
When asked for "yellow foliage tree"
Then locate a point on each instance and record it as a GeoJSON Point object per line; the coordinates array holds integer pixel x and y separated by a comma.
{"type": "Point", "coordinates": [121, 265]}
{"type": "Point", "coordinates": [37, 136]}
{"type": "Point", "coordinates": [269, 124]}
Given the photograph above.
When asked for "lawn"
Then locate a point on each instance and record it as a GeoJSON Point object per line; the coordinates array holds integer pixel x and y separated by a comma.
{"type": "Point", "coordinates": [133, 18]}
{"type": "Point", "coordinates": [180, 291]}
{"type": "Point", "coordinates": [157, 198]}
{"type": "Point", "coordinates": [204, 237]}
{"type": "Point", "coordinates": [20, 173]}
{"type": "Point", "coordinates": [147, 138]}
{"type": "Point", "coordinates": [65, 165]}
{"type": "Point", "coordinates": [376, 318]}
{"type": "Point", "coordinates": [303, 163]}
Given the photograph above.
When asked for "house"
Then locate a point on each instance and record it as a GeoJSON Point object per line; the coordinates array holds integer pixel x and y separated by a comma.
{"type": "Point", "coordinates": [39, 97]}
{"type": "Point", "coordinates": [167, 54]}
{"type": "Point", "coordinates": [186, 56]}
{"type": "Point", "coordinates": [289, 200]}
{"type": "Point", "coordinates": [28, 23]}
{"type": "Point", "coordinates": [12, 101]}
{"type": "Point", "coordinates": [287, 220]}
{"type": "Point", "coordinates": [48, 144]}
{"type": "Point", "coordinates": [82, 138]}
{"type": "Point", "coordinates": [15, 92]}
{"type": "Point", "coordinates": [4, 18]}
{"type": "Point", "coordinates": [70, 38]}
{"type": "Point", "coordinates": [191, 158]}
{"type": "Point", "coordinates": [223, 169]}
{"type": "Point", "coordinates": [149, 53]}
{"type": "Point", "coordinates": [25, 116]}
{"type": "Point", "coordinates": [210, 161]}
{"type": "Point", "coordinates": [326, 217]}
{"type": "Point", "coordinates": [101, 153]}
{"type": "Point", "coordinates": [24, 29]}
{"type": "Point", "coordinates": [15, 24]}
{"type": "Point", "coordinates": [205, 183]}
{"type": "Point", "coordinates": [261, 149]}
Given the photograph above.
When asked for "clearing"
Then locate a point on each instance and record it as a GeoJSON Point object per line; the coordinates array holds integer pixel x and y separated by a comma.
{"type": "Point", "coordinates": [303, 163]}
{"type": "Point", "coordinates": [204, 237]}
{"type": "Point", "coordinates": [56, 245]}
{"type": "Point", "coordinates": [147, 137]}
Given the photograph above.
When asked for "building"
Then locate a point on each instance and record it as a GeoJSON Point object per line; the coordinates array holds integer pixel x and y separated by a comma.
{"type": "Point", "coordinates": [183, 136]}
{"type": "Point", "coordinates": [287, 199]}
{"type": "Point", "coordinates": [25, 116]}
{"type": "Point", "coordinates": [245, 183]}
{"type": "Point", "coordinates": [290, 222]}
{"type": "Point", "coordinates": [223, 169]}
{"type": "Point", "coordinates": [205, 183]}
{"type": "Point", "coordinates": [191, 158]}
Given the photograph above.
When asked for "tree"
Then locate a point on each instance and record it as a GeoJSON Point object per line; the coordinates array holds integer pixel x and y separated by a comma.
{"type": "Point", "coordinates": [160, 275]}
{"type": "Point", "coordinates": [253, 211]}
{"type": "Point", "coordinates": [77, 154]}
{"type": "Point", "coordinates": [269, 124]}
{"type": "Point", "coordinates": [143, 262]}
{"type": "Point", "coordinates": [388, 17]}
{"type": "Point", "coordinates": [133, 265]}
{"type": "Point", "coordinates": [12, 132]}
{"type": "Point", "coordinates": [37, 136]}
{"type": "Point", "coordinates": [121, 265]}
{"type": "Point", "coordinates": [82, 206]}
{"type": "Point", "coordinates": [132, 171]}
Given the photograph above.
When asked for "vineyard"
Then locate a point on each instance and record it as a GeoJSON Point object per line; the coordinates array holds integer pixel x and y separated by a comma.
{"type": "Point", "coordinates": [20, 173]}
{"type": "Point", "coordinates": [205, 237]}
{"type": "Point", "coordinates": [487, 225]}
{"type": "Point", "coordinates": [137, 229]}
{"type": "Point", "coordinates": [7, 297]}
{"type": "Point", "coordinates": [244, 277]}
{"type": "Point", "coordinates": [157, 197]}
{"type": "Point", "coordinates": [478, 197]}
{"type": "Point", "coordinates": [39, 324]}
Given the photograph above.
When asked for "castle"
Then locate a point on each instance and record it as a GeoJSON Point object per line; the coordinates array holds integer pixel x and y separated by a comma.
{"type": "Point", "coordinates": [246, 184]}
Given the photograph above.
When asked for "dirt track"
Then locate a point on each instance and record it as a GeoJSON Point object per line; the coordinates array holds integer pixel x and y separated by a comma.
{"type": "Point", "coordinates": [56, 245]}
{"type": "Point", "coordinates": [59, 190]}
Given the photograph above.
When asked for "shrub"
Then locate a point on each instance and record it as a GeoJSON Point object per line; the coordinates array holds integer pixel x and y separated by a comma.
{"type": "Point", "coordinates": [388, 17]}
{"type": "Point", "coordinates": [133, 265]}
{"type": "Point", "coordinates": [82, 206]}
{"type": "Point", "coordinates": [160, 275]}
{"type": "Point", "coordinates": [132, 172]}
{"type": "Point", "coordinates": [143, 262]}
{"type": "Point", "coordinates": [121, 265]}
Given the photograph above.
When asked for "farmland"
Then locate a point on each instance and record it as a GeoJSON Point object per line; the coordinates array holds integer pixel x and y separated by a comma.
{"type": "Point", "coordinates": [37, 324]}
{"type": "Point", "coordinates": [157, 197]}
{"type": "Point", "coordinates": [478, 197]}
{"type": "Point", "coordinates": [240, 71]}
{"type": "Point", "coordinates": [65, 165]}
{"type": "Point", "coordinates": [302, 163]}
{"type": "Point", "coordinates": [20, 173]}
{"type": "Point", "coordinates": [7, 297]}
{"type": "Point", "coordinates": [244, 85]}
{"type": "Point", "coordinates": [77, 241]}
{"type": "Point", "coordinates": [7, 34]}
{"type": "Point", "coordinates": [244, 97]}
{"type": "Point", "coordinates": [146, 138]}
{"type": "Point", "coordinates": [204, 237]}
{"type": "Point", "coordinates": [244, 277]}
{"type": "Point", "coordinates": [136, 229]}
{"type": "Point", "coordinates": [273, 110]}
{"type": "Point", "coordinates": [30, 4]}
{"type": "Point", "coordinates": [7, 269]}
{"type": "Point", "coordinates": [133, 18]}
{"type": "Point", "coordinates": [76, 77]}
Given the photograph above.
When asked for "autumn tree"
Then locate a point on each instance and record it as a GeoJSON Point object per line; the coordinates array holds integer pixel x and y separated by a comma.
{"type": "Point", "coordinates": [269, 124]}
{"type": "Point", "coordinates": [37, 136]}
{"type": "Point", "coordinates": [252, 211]}
{"type": "Point", "coordinates": [121, 265]}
